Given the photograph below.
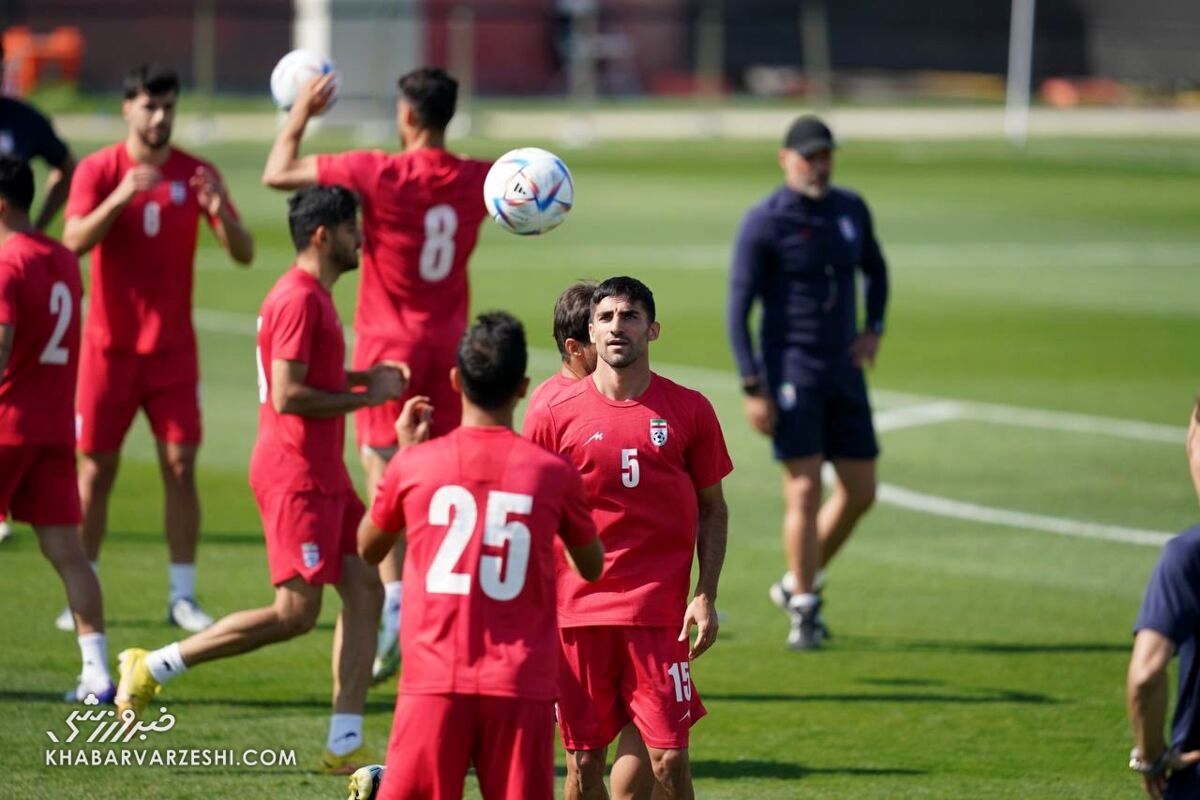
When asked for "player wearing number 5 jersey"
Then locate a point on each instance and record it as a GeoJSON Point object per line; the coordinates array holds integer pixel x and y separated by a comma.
{"type": "Point", "coordinates": [483, 511]}
{"type": "Point", "coordinates": [136, 206]}
{"type": "Point", "coordinates": [652, 458]}
{"type": "Point", "coordinates": [422, 209]}
{"type": "Point", "coordinates": [40, 291]}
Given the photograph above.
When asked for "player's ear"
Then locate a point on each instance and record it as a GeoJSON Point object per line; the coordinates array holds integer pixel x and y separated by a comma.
{"type": "Point", "coordinates": [523, 389]}
{"type": "Point", "coordinates": [455, 380]}
{"type": "Point", "coordinates": [654, 330]}
{"type": "Point", "coordinates": [591, 333]}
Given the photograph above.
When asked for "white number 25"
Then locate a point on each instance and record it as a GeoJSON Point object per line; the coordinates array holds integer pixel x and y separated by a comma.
{"type": "Point", "coordinates": [498, 580]}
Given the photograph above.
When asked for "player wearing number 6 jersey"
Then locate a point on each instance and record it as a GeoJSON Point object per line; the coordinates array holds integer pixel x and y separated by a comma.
{"type": "Point", "coordinates": [309, 510]}
{"type": "Point", "coordinates": [40, 291]}
{"type": "Point", "coordinates": [136, 205]}
{"type": "Point", "coordinates": [652, 458]}
{"type": "Point", "coordinates": [421, 214]}
{"type": "Point", "coordinates": [483, 511]}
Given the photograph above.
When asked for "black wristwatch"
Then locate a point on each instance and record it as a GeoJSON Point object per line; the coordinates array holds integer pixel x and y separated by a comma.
{"type": "Point", "coordinates": [752, 387]}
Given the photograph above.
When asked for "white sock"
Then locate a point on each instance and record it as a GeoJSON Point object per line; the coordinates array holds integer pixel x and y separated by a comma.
{"type": "Point", "coordinates": [166, 663]}
{"type": "Point", "coordinates": [392, 591]}
{"type": "Point", "coordinates": [183, 581]}
{"type": "Point", "coordinates": [804, 603]}
{"type": "Point", "coordinates": [93, 647]}
{"type": "Point", "coordinates": [789, 581]}
{"type": "Point", "coordinates": [345, 733]}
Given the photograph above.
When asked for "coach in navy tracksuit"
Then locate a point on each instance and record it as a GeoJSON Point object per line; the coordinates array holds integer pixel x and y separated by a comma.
{"type": "Point", "coordinates": [1168, 625]}
{"type": "Point", "coordinates": [797, 254]}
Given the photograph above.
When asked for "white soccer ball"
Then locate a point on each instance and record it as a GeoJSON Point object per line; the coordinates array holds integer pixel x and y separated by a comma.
{"type": "Point", "coordinates": [296, 69]}
{"type": "Point", "coordinates": [529, 191]}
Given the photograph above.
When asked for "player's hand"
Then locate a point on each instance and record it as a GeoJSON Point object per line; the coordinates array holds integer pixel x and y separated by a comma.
{"type": "Point", "coordinates": [210, 193]}
{"type": "Point", "coordinates": [141, 178]}
{"type": "Point", "coordinates": [760, 410]}
{"type": "Point", "coordinates": [314, 96]}
{"type": "Point", "coordinates": [702, 613]}
{"type": "Point", "coordinates": [864, 348]}
{"type": "Point", "coordinates": [385, 382]}
{"type": "Point", "coordinates": [415, 421]}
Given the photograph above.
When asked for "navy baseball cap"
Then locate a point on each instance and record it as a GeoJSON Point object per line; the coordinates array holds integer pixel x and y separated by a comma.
{"type": "Point", "coordinates": [808, 135]}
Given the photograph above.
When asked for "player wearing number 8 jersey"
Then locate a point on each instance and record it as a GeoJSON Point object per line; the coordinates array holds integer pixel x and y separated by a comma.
{"type": "Point", "coordinates": [652, 459]}
{"type": "Point", "coordinates": [482, 510]}
{"type": "Point", "coordinates": [136, 205]}
{"type": "Point", "coordinates": [422, 209]}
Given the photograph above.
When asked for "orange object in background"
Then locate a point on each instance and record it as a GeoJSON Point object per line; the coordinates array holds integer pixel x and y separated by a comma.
{"type": "Point", "coordinates": [30, 58]}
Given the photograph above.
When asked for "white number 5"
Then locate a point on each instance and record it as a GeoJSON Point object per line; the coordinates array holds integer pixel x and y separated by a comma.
{"type": "Point", "coordinates": [630, 473]}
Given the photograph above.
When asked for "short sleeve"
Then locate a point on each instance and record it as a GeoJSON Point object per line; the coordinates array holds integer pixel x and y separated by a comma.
{"type": "Point", "coordinates": [387, 512]}
{"type": "Point", "coordinates": [1171, 605]}
{"type": "Point", "coordinates": [294, 327]}
{"type": "Point", "coordinates": [577, 527]}
{"type": "Point", "coordinates": [8, 294]}
{"type": "Point", "coordinates": [87, 189]}
{"type": "Point", "coordinates": [708, 458]}
{"type": "Point", "coordinates": [539, 427]}
{"type": "Point", "coordinates": [49, 146]}
{"type": "Point", "coordinates": [354, 170]}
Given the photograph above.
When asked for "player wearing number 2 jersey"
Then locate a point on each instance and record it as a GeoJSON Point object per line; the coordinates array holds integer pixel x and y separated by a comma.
{"type": "Point", "coordinates": [136, 206]}
{"type": "Point", "coordinates": [483, 511]}
{"type": "Point", "coordinates": [652, 458]}
{"type": "Point", "coordinates": [40, 291]}
{"type": "Point", "coordinates": [421, 214]}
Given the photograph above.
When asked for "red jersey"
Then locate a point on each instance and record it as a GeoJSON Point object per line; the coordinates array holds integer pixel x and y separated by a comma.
{"type": "Point", "coordinates": [421, 212]}
{"type": "Point", "coordinates": [298, 322]}
{"type": "Point", "coordinates": [140, 297]}
{"type": "Point", "coordinates": [483, 509]}
{"type": "Point", "coordinates": [40, 295]}
{"type": "Point", "coordinates": [642, 462]}
{"type": "Point", "coordinates": [549, 389]}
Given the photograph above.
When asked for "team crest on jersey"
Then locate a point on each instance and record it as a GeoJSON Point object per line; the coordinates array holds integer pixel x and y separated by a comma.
{"type": "Point", "coordinates": [311, 554]}
{"type": "Point", "coordinates": [658, 432]}
{"type": "Point", "coordinates": [848, 231]}
{"type": "Point", "coordinates": [178, 192]}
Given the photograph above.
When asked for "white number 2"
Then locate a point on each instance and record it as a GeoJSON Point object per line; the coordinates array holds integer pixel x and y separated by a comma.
{"type": "Point", "coordinates": [60, 304]}
{"type": "Point", "coordinates": [630, 473]}
{"type": "Point", "coordinates": [437, 253]}
{"type": "Point", "coordinates": [152, 218]}
{"type": "Point", "coordinates": [500, 578]}
{"type": "Point", "coordinates": [682, 675]}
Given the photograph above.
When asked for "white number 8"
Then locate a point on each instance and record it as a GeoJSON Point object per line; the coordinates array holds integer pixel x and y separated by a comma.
{"type": "Point", "coordinates": [152, 218]}
{"type": "Point", "coordinates": [437, 253]}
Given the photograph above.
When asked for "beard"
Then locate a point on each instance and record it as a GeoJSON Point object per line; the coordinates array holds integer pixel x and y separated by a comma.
{"type": "Point", "coordinates": [154, 139]}
{"type": "Point", "coordinates": [623, 359]}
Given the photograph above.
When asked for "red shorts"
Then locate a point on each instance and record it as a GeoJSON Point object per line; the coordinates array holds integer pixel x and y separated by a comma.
{"type": "Point", "coordinates": [113, 385]}
{"type": "Point", "coordinates": [436, 737]}
{"type": "Point", "coordinates": [375, 426]}
{"type": "Point", "coordinates": [611, 675]}
{"type": "Point", "coordinates": [38, 484]}
{"type": "Point", "coordinates": [308, 533]}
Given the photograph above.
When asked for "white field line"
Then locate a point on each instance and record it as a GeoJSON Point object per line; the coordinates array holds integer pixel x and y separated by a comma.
{"type": "Point", "coordinates": [911, 411]}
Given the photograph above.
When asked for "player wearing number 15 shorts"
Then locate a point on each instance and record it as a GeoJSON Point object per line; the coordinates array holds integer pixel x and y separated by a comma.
{"type": "Point", "coordinates": [422, 209]}
{"type": "Point", "coordinates": [484, 512]}
{"type": "Point", "coordinates": [652, 458]}
{"type": "Point", "coordinates": [136, 206]}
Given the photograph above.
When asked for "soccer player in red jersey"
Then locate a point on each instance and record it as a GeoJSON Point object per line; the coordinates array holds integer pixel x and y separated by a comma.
{"type": "Point", "coordinates": [482, 510]}
{"type": "Point", "coordinates": [422, 209]}
{"type": "Point", "coordinates": [652, 458]}
{"type": "Point", "coordinates": [309, 510]}
{"type": "Point", "coordinates": [40, 293]}
{"type": "Point", "coordinates": [572, 314]}
{"type": "Point", "coordinates": [136, 205]}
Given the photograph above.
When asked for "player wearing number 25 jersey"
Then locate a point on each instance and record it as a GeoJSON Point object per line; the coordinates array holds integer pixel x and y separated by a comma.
{"type": "Point", "coordinates": [483, 511]}
{"type": "Point", "coordinates": [652, 459]}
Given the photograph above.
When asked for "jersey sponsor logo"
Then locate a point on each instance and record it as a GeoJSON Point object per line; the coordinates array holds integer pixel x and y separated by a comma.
{"type": "Point", "coordinates": [311, 554]}
{"type": "Point", "coordinates": [849, 233]}
{"type": "Point", "coordinates": [658, 432]}
{"type": "Point", "coordinates": [178, 192]}
{"type": "Point", "coordinates": [598, 436]}
{"type": "Point", "coordinates": [787, 396]}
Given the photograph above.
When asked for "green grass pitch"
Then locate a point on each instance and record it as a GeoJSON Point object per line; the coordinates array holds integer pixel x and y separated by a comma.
{"type": "Point", "coordinates": [971, 659]}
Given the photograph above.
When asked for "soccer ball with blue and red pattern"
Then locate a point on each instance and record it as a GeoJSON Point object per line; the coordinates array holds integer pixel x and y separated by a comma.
{"type": "Point", "coordinates": [529, 191]}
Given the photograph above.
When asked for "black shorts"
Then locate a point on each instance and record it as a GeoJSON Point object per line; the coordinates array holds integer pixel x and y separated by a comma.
{"type": "Point", "coordinates": [827, 415]}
